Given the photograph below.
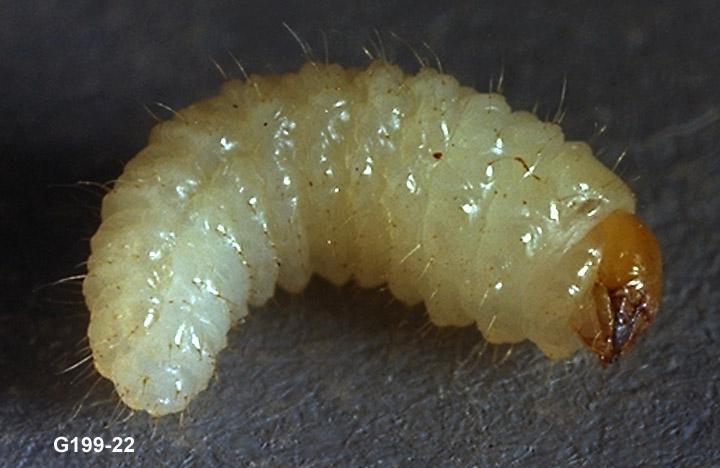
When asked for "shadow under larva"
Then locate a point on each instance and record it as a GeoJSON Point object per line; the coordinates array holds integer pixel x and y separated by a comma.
{"type": "Point", "coordinates": [487, 216]}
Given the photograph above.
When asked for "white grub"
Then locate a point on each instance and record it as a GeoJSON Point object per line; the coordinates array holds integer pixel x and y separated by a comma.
{"type": "Point", "coordinates": [370, 175]}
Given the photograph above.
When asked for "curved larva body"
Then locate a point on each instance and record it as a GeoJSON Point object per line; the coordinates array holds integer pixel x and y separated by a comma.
{"type": "Point", "coordinates": [371, 175]}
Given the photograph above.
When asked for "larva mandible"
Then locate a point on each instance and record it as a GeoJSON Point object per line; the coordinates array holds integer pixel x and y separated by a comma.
{"type": "Point", "coordinates": [443, 193]}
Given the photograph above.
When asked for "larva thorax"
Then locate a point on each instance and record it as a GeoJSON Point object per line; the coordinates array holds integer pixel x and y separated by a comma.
{"type": "Point", "coordinates": [443, 193]}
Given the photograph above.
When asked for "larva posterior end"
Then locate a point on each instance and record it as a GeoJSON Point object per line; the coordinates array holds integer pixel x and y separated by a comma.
{"type": "Point", "coordinates": [628, 287]}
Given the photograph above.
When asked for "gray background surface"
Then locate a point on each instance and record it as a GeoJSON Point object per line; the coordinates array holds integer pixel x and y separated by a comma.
{"type": "Point", "coordinates": [348, 377]}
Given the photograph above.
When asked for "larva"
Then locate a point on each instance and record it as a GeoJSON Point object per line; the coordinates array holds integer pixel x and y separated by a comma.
{"type": "Point", "coordinates": [488, 216]}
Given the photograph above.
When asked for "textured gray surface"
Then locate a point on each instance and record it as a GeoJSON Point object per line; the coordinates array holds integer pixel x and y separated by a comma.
{"type": "Point", "coordinates": [346, 377]}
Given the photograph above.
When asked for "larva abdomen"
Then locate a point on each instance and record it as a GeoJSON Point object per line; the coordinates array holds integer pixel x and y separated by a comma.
{"type": "Point", "coordinates": [415, 181]}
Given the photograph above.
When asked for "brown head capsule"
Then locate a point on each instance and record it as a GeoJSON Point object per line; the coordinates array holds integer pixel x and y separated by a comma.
{"type": "Point", "coordinates": [628, 287]}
